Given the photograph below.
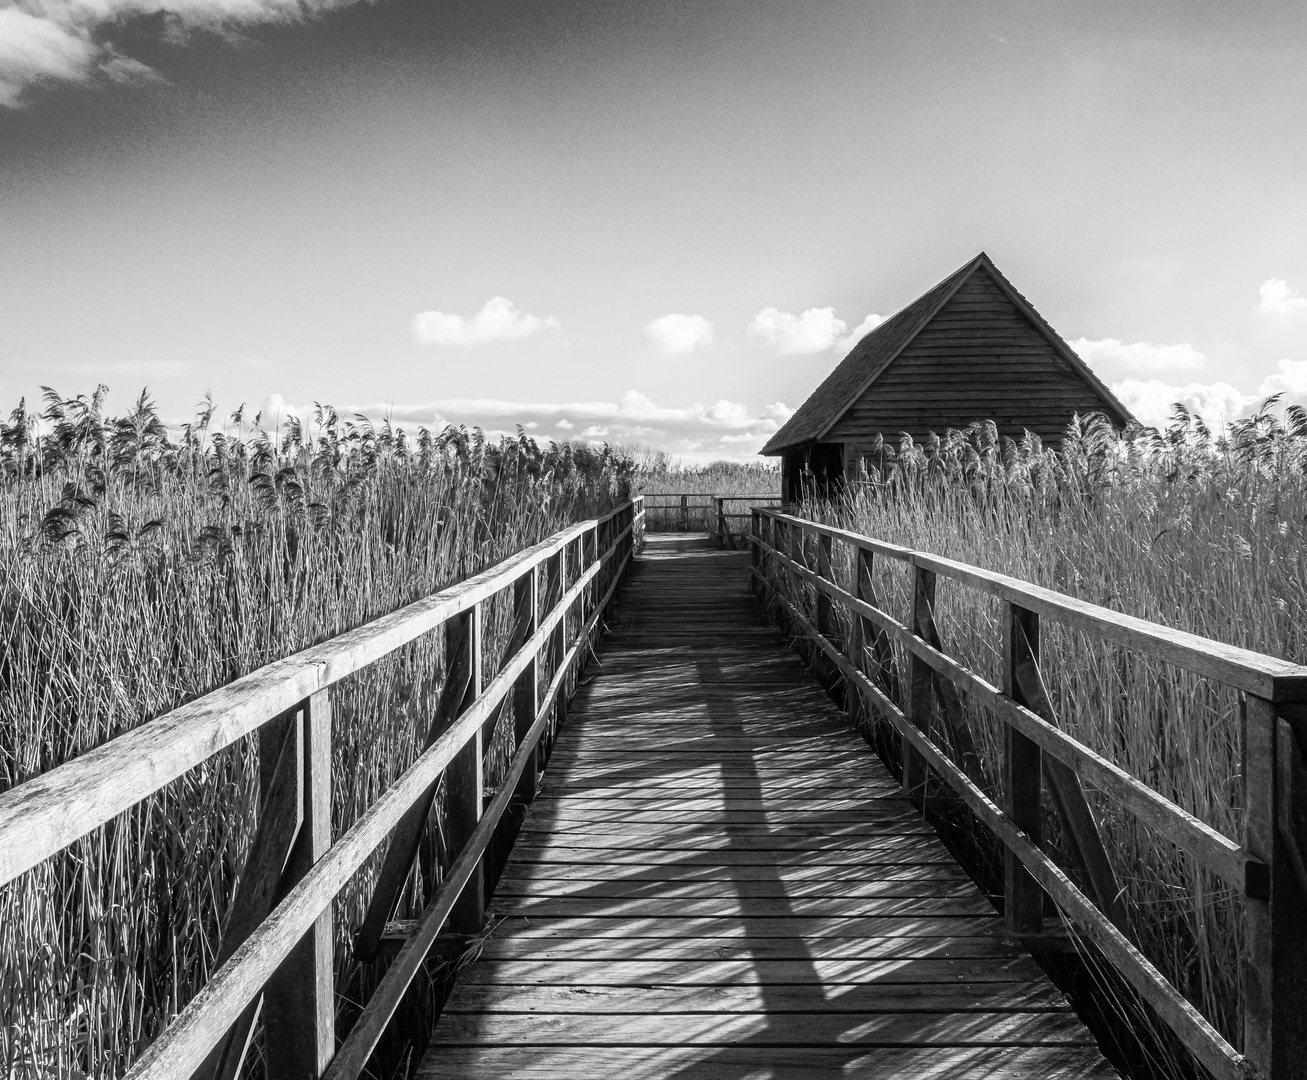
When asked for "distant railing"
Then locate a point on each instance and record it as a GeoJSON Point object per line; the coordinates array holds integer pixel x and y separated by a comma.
{"type": "Point", "coordinates": [716, 515]}
{"type": "Point", "coordinates": [560, 589]}
{"type": "Point", "coordinates": [793, 560]}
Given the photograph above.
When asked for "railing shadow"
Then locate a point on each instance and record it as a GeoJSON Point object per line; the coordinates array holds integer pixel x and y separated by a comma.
{"type": "Point", "coordinates": [814, 978]}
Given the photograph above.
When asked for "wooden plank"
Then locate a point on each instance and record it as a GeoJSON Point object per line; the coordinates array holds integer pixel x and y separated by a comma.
{"type": "Point", "coordinates": [795, 840]}
{"type": "Point", "coordinates": [757, 998]}
{"type": "Point", "coordinates": [799, 928]}
{"type": "Point", "coordinates": [720, 863]}
{"type": "Point", "coordinates": [822, 1028]}
{"type": "Point", "coordinates": [821, 907]}
{"type": "Point", "coordinates": [781, 874]}
{"type": "Point", "coordinates": [826, 888]}
{"type": "Point", "coordinates": [555, 818]}
{"type": "Point", "coordinates": [781, 1063]}
{"type": "Point", "coordinates": [929, 973]}
{"type": "Point", "coordinates": [863, 947]}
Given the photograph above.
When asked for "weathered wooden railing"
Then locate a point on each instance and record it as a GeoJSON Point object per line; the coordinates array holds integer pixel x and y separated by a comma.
{"type": "Point", "coordinates": [1267, 866]}
{"type": "Point", "coordinates": [276, 958]}
{"type": "Point", "coordinates": [715, 514]}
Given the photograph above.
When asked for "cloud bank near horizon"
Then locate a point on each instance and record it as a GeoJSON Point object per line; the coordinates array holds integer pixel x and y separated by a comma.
{"type": "Point", "coordinates": [697, 432]}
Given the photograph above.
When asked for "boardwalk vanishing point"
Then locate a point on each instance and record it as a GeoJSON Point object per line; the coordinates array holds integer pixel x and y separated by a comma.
{"type": "Point", "coordinates": [718, 879]}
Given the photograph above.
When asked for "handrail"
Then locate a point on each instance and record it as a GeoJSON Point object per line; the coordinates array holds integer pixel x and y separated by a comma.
{"type": "Point", "coordinates": [708, 511]}
{"type": "Point", "coordinates": [1256, 673]}
{"type": "Point", "coordinates": [582, 567]}
{"type": "Point", "coordinates": [1266, 867]}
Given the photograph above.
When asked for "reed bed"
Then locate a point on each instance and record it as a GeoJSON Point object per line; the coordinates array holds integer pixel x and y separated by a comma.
{"type": "Point", "coordinates": [1183, 527]}
{"type": "Point", "coordinates": [658, 472]}
{"type": "Point", "coordinates": [139, 571]}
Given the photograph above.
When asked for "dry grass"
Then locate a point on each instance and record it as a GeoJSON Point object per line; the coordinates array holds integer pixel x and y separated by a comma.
{"type": "Point", "coordinates": [1193, 531]}
{"type": "Point", "coordinates": [137, 573]}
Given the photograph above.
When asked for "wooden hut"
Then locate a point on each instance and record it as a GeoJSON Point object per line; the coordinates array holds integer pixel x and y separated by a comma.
{"type": "Point", "coordinates": [972, 348]}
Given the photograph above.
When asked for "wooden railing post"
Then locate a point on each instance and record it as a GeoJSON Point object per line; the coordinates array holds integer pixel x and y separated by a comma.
{"type": "Point", "coordinates": [755, 550]}
{"type": "Point", "coordinates": [827, 627]}
{"type": "Point", "coordinates": [1275, 913]}
{"type": "Point", "coordinates": [1084, 843]}
{"type": "Point", "coordinates": [464, 781]}
{"type": "Point", "coordinates": [1023, 782]}
{"type": "Point", "coordinates": [407, 839]}
{"type": "Point", "coordinates": [299, 1002]}
{"type": "Point", "coordinates": [289, 765]}
{"type": "Point", "coordinates": [919, 691]}
{"type": "Point", "coordinates": [873, 637]}
{"type": "Point", "coordinates": [685, 513]}
{"type": "Point", "coordinates": [722, 533]}
{"type": "Point", "coordinates": [558, 639]}
{"type": "Point", "coordinates": [856, 650]}
{"type": "Point", "coordinates": [526, 691]}
{"type": "Point", "coordinates": [798, 543]}
{"type": "Point", "coordinates": [825, 610]}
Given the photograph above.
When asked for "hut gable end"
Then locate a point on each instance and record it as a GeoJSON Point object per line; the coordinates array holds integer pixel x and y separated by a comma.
{"type": "Point", "coordinates": [979, 358]}
{"type": "Point", "coordinates": [972, 348]}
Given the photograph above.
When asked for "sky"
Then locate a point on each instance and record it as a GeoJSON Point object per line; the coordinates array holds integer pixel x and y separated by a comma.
{"type": "Point", "coordinates": [636, 221]}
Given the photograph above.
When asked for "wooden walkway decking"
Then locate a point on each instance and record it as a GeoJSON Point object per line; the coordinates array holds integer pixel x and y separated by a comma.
{"type": "Point", "coordinates": [719, 880]}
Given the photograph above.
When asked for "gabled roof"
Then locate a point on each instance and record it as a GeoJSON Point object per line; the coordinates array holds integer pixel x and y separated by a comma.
{"type": "Point", "coordinates": [869, 358]}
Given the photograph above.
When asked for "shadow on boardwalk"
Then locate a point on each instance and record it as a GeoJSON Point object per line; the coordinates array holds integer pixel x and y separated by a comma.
{"type": "Point", "coordinates": [719, 880]}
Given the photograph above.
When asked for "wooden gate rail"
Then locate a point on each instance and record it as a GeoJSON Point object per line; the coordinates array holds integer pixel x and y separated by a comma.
{"type": "Point", "coordinates": [711, 514]}
{"type": "Point", "coordinates": [1266, 868]}
{"type": "Point", "coordinates": [287, 946]}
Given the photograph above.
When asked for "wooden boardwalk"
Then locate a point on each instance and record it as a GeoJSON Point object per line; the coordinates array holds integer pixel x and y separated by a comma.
{"type": "Point", "coordinates": [720, 880]}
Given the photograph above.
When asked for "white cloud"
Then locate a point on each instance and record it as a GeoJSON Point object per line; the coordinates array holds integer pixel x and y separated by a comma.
{"type": "Point", "coordinates": [56, 40]}
{"type": "Point", "coordinates": [1290, 380]}
{"type": "Point", "coordinates": [1277, 298]}
{"type": "Point", "coordinates": [845, 343]}
{"type": "Point", "coordinates": [1151, 400]}
{"type": "Point", "coordinates": [814, 331]}
{"type": "Point", "coordinates": [678, 334]}
{"type": "Point", "coordinates": [34, 48]}
{"type": "Point", "coordinates": [127, 71]}
{"type": "Point", "coordinates": [498, 320]}
{"type": "Point", "coordinates": [1139, 355]}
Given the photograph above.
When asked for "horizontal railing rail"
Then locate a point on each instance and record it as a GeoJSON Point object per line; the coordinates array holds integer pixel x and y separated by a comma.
{"type": "Point", "coordinates": [278, 934]}
{"type": "Point", "coordinates": [702, 512]}
{"type": "Point", "coordinates": [794, 557]}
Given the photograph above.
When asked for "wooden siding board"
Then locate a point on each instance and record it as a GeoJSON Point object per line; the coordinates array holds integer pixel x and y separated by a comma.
{"type": "Point", "coordinates": [937, 382]}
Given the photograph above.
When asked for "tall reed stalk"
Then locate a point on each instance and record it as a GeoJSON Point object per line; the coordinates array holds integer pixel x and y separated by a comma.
{"type": "Point", "coordinates": [1182, 527]}
{"type": "Point", "coordinates": [138, 572]}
